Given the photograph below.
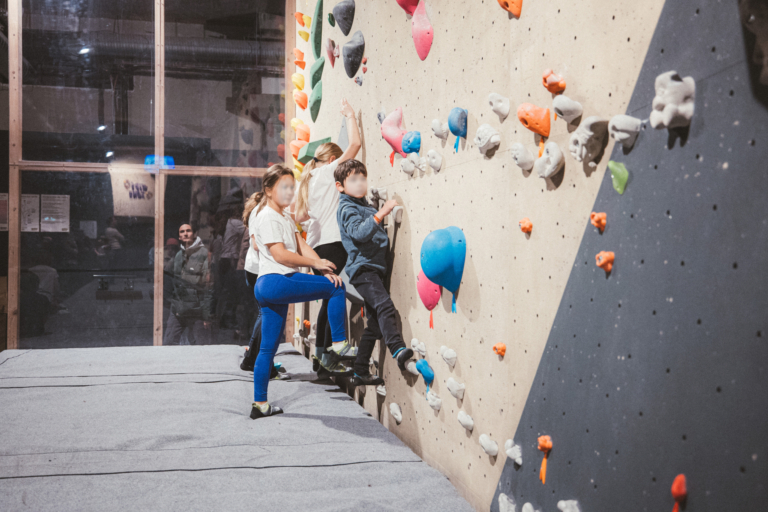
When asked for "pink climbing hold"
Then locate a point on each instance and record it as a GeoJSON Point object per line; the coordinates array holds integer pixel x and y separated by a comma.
{"type": "Point", "coordinates": [365, 69]}
{"type": "Point", "coordinates": [429, 293]}
{"type": "Point", "coordinates": [422, 31]}
{"type": "Point", "coordinates": [330, 50]}
{"type": "Point", "coordinates": [365, 60]}
{"type": "Point", "coordinates": [409, 6]}
{"type": "Point", "coordinates": [392, 130]}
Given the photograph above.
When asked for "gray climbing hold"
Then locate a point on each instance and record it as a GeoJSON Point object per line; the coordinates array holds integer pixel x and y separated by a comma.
{"type": "Point", "coordinates": [353, 53]}
{"type": "Point", "coordinates": [434, 401]}
{"type": "Point", "coordinates": [315, 100]}
{"type": "Point", "coordinates": [449, 355]}
{"type": "Point", "coordinates": [456, 388]}
{"type": "Point", "coordinates": [419, 346]}
{"type": "Point", "coordinates": [381, 116]}
{"type": "Point", "coordinates": [343, 141]}
{"type": "Point", "coordinates": [317, 30]}
{"type": "Point", "coordinates": [466, 421]}
{"type": "Point", "coordinates": [344, 12]}
{"type": "Point", "coordinates": [247, 136]}
{"type": "Point", "coordinates": [316, 72]}
{"type": "Point", "coordinates": [359, 80]}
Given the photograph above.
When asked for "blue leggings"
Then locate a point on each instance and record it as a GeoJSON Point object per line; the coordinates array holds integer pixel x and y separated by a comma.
{"type": "Point", "coordinates": [274, 292]}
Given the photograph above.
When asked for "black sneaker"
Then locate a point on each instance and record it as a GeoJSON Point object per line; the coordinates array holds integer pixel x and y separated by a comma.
{"type": "Point", "coordinates": [246, 365]}
{"type": "Point", "coordinates": [271, 411]}
{"type": "Point", "coordinates": [402, 358]}
{"type": "Point", "coordinates": [366, 380]}
{"type": "Point", "coordinates": [276, 375]}
{"type": "Point", "coordinates": [347, 353]}
{"type": "Point", "coordinates": [315, 364]}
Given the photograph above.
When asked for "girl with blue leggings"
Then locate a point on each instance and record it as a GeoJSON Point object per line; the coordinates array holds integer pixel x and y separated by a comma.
{"type": "Point", "coordinates": [281, 253]}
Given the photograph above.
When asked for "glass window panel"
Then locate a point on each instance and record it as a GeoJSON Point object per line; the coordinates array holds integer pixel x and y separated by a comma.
{"type": "Point", "coordinates": [86, 259]}
{"type": "Point", "coordinates": [88, 83]}
{"type": "Point", "coordinates": [225, 73]}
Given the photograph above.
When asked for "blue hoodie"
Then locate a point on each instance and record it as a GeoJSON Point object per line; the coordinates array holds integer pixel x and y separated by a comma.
{"type": "Point", "coordinates": [365, 241]}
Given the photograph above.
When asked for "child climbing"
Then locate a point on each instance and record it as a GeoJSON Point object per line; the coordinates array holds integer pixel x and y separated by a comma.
{"type": "Point", "coordinates": [318, 201]}
{"type": "Point", "coordinates": [367, 245]}
{"type": "Point", "coordinates": [281, 252]}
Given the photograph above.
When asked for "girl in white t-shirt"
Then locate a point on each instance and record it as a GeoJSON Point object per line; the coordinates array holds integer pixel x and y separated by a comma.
{"type": "Point", "coordinates": [318, 200]}
{"type": "Point", "coordinates": [281, 252]}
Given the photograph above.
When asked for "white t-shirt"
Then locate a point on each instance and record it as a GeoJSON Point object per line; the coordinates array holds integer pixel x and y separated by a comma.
{"type": "Point", "coordinates": [271, 227]}
{"type": "Point", "coordinates": [252, 256]}
{"type": "Point", "coordinates": [323, 204]}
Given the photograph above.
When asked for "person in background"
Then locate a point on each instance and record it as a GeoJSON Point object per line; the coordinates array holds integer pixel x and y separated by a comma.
{"type": "Point", "coordinates": [115, 241]}
{"type": "Point", "coordinates": [48, 281]}
{"type": "Point", "coordinates": [231, 289]}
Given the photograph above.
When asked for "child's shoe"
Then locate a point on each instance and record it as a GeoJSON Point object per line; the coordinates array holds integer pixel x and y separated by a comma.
{"type": "Point", "coordinates": [366, 380]}
{"type": "Point", "coordinates": [342, 352]}
{"type": "Point", "coordinates": [403, 357]}
{"type": "Point", "coordinates": [262, 411]}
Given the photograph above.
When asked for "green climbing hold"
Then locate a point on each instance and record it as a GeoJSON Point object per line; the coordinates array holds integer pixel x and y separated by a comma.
{"type": "Point", "coordinates": [316, 72]}
{"type": "Point", "coordinates": [315, 100]}
{"type": "Point", "coordinates": [619, 176]}
{"type": "Point", "coordinates": [317, 30]}
{"type": "Point", "coordinates": [307, 152]}
{"type": "Point", "coordinates": [331, 19]}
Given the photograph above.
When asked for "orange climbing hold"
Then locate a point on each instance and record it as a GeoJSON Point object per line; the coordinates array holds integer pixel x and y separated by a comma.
{"type": "Point", "coordinates": [552, 82]}
{"type": "Point", "coordinates": [525, 225]}
{"type": "Point", "coordinates": [679, 491]}
{"type": "Point", "coordinates": [545, 445]}
{"type": "Point", "coordinates": [300, 63]}
{"type": "Point", "coordinates": [302, 132]}
{"type": "Point", "coordinates": [307, 324]}
{"type": "Point", "coordinates": [281, 151]}
{"type": "Point", "coordinates": [598, 220]}
{"type": "Point", "coordinates": [604, 260]}
{"type": "Point", "coordinates": [365, 60]}
{"type": "Point", "coordinates": [301, 99]}
{"type": "Point", "coordinates": [512, 6]}
{"type": "Point", "coordinates": [500, 349]}
{"type": "Point", "coordinates": [281, 117]}
{"type": "Point", "coordinates": [299, 18]}
{"type": "Point", "coordinates": [298, 54]}
{"type": "Point", "coordinates": [534, 118]}
{"type": "Point", "coordinates": [296, 146]}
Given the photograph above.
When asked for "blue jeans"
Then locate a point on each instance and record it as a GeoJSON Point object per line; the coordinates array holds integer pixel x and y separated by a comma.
{"type": "Point", "coordinates": [275, 292]}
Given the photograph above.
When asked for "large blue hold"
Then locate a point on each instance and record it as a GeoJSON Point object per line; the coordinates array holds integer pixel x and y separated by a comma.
{"type": "Point", "coordinates": [442, 258]}
{"type": "Point", "coordinates": [412, 142]}
{"type": "Point", "coordinates": [457, 123]}
{"type": "Point", "coordinates": [426, 371]}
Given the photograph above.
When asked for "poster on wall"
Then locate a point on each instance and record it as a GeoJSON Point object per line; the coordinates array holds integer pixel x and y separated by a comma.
{"type": "Point", "coordinates": [88, 227]}
{"type": "Point", "coordinates": [133, 194]}
{"type": "Point", "coordinates": [30, 213]}
{"type": "Point", "coordinates": [3, 212]}
{"type": "Point", "coordinates": [54, 213]}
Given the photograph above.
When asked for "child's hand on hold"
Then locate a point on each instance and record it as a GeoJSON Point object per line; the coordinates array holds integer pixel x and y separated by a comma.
{"type": "Point", "coordinates": [388, 207]}
{"type": "Point", "coordinates": [346, 109]}
{"type": "Point", "coordinates": [323, 265]}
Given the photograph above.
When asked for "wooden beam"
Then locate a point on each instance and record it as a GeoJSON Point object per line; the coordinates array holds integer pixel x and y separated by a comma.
{"type": "Point", "coordinates": [290, 106]}
{"type": "Point", "coordinates": [157, 336]}
{"type": "Point", "coordinates": [14, 182]}
{"type": "Point", "coordinates": [14, 79]}
{"type": "Point", "coordinates": [14, 260]}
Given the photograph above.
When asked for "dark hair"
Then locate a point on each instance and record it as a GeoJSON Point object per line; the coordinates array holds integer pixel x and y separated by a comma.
{"type": "Point", "coordinates": [347, 168]}
{"type": "Point", "coordinates": [259, 199]}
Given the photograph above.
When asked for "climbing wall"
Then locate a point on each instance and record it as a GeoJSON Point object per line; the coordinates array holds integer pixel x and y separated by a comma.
{"type": "Point", "coordinates": [513, 284]}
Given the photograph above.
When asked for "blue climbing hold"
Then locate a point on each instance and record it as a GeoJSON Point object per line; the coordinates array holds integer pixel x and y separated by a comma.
{"type": "Point", "coordinates": [412, 142]}
{"type": "Point", "coordinates": [442, 258]}
{"type": "Point", "coordinates": [457, 123]}
{"type": "Point", "coordinates": [428, 373]}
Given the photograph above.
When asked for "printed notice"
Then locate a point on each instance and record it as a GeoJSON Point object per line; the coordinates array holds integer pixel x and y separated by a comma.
{"type": "Point", "coordinates": [54, 213]}
{"type": "Point", "coordinates": [3, 212]}
{"type": "Point", "coordinates": [30, 213]}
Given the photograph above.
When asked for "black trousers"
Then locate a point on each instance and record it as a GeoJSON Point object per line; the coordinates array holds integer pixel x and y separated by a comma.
{"type": "Point", "coordinates": [335, 253]}
{"type": "Point", "coordinates": [381, 317]}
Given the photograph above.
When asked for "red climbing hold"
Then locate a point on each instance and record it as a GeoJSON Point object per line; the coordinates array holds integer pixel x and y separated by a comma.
{"type": "Point", "coordinates": [679, 491]}
{"type": "Point", "coordinates": [422, 31]}
{"type": "Point", "coordinates": [365, 60]}
{"type": "Point", "coordinates": [409, 6]}
{"type": "Point", "coordinates": [365, 69]}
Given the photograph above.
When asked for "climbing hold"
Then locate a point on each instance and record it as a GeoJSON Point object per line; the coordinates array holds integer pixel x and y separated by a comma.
{"type": "Point", "coordinates": [298, 54]}
{"type": "Point", "coordinates": [426, 371]}
{"type": "Point", "coordinates": [434, 401]}
{"type": "Point", "coordinates": [412, 142]}
{"type": "Point", "coordinates": [411, 367]}
{"type": "Point", "coordinates": [296, 122]}
{"type": "Point", "coordinates": [589, 140]}
{"type": "Point", "coordinates": [296, 146]}
{"type": "Point", "coordinates": [506, 504]}
{"type": "Point", "coordinates": [673, 104]}
{"type": "Point", "coordinates": [598, 220]}
{"type": "Point", "coordinates": [409, 6]}
{"type": "Point", "coordinates": [619, 175]}
{"type": "Point", "coordinates": [419, 346]}
{"type": "Point", "coordinates": [442, 258]}
{"type": "Point", "coordinates": [330, 51]}
{"type": "Point", "coordinates": [486, 138]}
{"type": "Point", "coordinates": [392, 131]}
{"type": "Point", "coordinates": [304, 35]}
{"type": "Point", "coordinates": [359, 80]}
{"type": "Point", "coordinates": [522, 157]}
{"type": "Point", "coordinates": [568, 506]}
{"type": "Point", "coordinates": [534, 118]}
{"type": "Point", "coordinates": [300, 63]}
{"type": "Point", "coordinates": [353, 53]}
{"type": "Point", "coordinates": [316, 72]}
{"type": "Point", "coordinates": [624, 129]}
{"type": "Point", "coordinates": [435, 160]}
{"type": "Point", "coordinates": [365, 60]}
{"type": "Point", "coordinates": [489, 446]}
{"type": "Point", "coordinates": [281, 151]}
{"type": "Point", "coordinates": [317, 30]}
{"type": "Point", "coordinates": [457, 123]}
{"type": "Point", "coordinates": [396, 412]}
{"type": "Point", "coordinates": [281, 118]}
{"type": "Point", "coordinates": [302, 132]}
{"type": "Point", "coordinates": [551, 161]}
{"type": "Point", "coordinates": [408, 165]}
{"type": "Point", "coordinates": [448, 355]}
{"type": "Point", "coordinates": [545, 445]}
{"type": "Point", "coordinates": [440, 130]}
{"type": "Point", "coordinates": [512, 6]}
{"type": "Point", "coordinates": [307, 324]}
{"type": "Point", "coordinates": [514, 452]}
{"type": "Point", "coordinates": [429, 293]}
{"type": "Point", "coordinates": [315, 100]}
{"type": "Point", "coordinates": [552, 82]}
{"type": "Point", "coordinates": [307, 21]}
{"type": "Point", "coordinates": [529, 508]}
{"type": "Point", "coordinates": [567, 108]}
{"type": "Point", "coordinates": [604, 260]}
{"type": "Point", "coordinates": [380, 389]}
{"type": "Point", "coordinates": [525, 225]}
{"type": "Point", "coordinates": [365, 69]}
{"type": "Point", "coordinates": [246, 135]}
{"type": "Point", "coordinates": [499, 104]}
{"type": "Point", "coordinates": [466, 421]}
{"type": "Point", "coordinates": [331, 19]}
{"type": "Point", "coordinates": [679, 491]}
{"type": "Point", "coordinates": [500, 349]}
{"type": "Point", "coordinates": [344, 12]}
{"type": "Point", "coordinates": [421, 30]}
{"type": "Point", "coordinates": [307, 152]}
{"type": "Point", "coordinates": [456, 388]}
{"type": "Point", "coordinates": [299, 18]}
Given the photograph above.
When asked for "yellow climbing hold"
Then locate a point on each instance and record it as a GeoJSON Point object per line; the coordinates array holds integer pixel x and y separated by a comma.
{"type": "Point", "coordinates": [307, 21]}
{"type": "Point", "coordinates": [298, 81]}
{"type": "Point", "coordinates": [304, 35]}
{"type": "Point", "coordinates": [296, 122]}
{"type": "Point", "coordinates": [282, 134]}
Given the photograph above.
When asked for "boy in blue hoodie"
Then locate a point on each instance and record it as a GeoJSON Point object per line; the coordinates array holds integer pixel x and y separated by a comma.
{"type": "Point", "coordinates": [367, 244]}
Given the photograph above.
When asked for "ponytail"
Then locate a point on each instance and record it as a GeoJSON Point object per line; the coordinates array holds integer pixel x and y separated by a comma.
{"type": "Point", "coordinates": [250, 204]}
{"type": "Point", "coordinates": [322, 155]}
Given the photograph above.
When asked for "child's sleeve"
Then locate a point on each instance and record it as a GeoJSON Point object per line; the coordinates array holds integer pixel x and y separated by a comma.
{"type": "Point", "coordinates": [359, 229]}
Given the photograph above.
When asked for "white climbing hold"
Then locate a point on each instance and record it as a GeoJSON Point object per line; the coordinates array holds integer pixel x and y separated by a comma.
{"type": "Point", "coordinates": [506, 504]}
{"type": "Point", "coordinates": [673, 104]}
{"type": "Point", "coordinates": [411, 367]}
{"type": "Point", "coordinates": [466, 421]}
{"type": "Point", "coordinates": [486, 138]}
{"type": "Point", "coordinates": [551, 161]}
{"type": "Point", "coordinates": [435, 160]}
{"type": "Point", "coordinates": [589, 140]}
{"type": "Point", "coordinates": [440, 130]}
{"type": "Point", "coordinates": [449, 355]}
{"type": "Point", "coordinates": [624, 129]}
{"type": "Point", "coordinates": [529, 508]}
{"type": "Point", "coordinates": [514, 452]}
{"type": "Point", "coordinates": [419, 346]}
{"type": "Point", "coordinates": [380, 389]}
{"type": "Point", "coordinates": [499, 104]}
{"type": "Point", "coordinates": [490, 446]}
{"type": "Point", "coordinates": [568, 506]}
{"type": "Point", "coordinates": [396, 413]}
{"type": "Point", "coordinates": [297, 338]}
{"type": "Point", "coordinates": [434, 400]}
{"type": "Point", "coordinates": [522, 157]}
{"type": "Point", "coordinates": [407, 166]}
{"type": "Point", "coordinates": [567, 108]}
{"type": "Point", "coordinates": [456, 388]}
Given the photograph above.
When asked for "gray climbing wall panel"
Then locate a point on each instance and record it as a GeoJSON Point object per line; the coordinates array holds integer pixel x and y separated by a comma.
{"type": "Point", "coordinates": [660, 367]}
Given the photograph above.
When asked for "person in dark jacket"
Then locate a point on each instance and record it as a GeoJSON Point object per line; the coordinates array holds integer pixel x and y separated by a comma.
{"type": "Point", "coordinates": [192, 291]}
{"type": "Point", "coordinates": [367, 244]}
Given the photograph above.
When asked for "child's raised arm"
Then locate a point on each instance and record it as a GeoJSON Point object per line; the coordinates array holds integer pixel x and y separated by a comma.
{"type": "Point", "coordinates": [352, 132]}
